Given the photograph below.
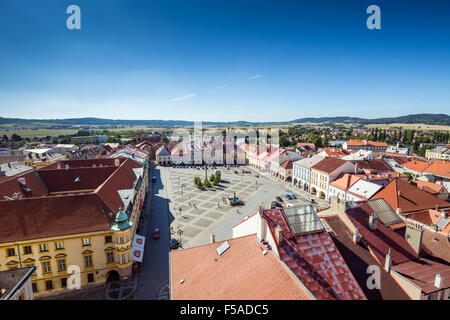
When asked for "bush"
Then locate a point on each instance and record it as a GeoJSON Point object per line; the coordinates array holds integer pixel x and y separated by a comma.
{"type": "Point", "coordinates": [207, 184]}
{"type": "Point", "coordinates": [216, 180]}
{"type": "Point", "coordinates": [212, 177]}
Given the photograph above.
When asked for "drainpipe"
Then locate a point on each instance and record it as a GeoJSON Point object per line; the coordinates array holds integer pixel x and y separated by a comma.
{"type": "Point", "coordinates": [18, 252]}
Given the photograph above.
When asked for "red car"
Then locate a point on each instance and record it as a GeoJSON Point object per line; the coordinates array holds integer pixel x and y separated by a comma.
{"type": "Point", "coordinates": [256, 176]}
{"type": "Point", "coordinates": [156, 233]}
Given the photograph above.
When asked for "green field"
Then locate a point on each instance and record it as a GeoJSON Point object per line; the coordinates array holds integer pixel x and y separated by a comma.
{"type": "Point", "coordinates": [29, 133]}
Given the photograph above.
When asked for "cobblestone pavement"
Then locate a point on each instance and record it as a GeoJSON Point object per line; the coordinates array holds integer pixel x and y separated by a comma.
{"type": "Point", "coordinates": [195, 210]}
{"type": "Point", "coordinates": [199, 212]}
{"type": "Point", "coordinates": [116, 290]}
{"type": "Point", "coordinates": [163, 293]}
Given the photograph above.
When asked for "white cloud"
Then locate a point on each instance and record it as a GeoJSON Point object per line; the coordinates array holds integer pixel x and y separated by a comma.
{"type": "Point", "coordinates": [256, 76]}
{"type": "Point", "coordinates": [184, 97]}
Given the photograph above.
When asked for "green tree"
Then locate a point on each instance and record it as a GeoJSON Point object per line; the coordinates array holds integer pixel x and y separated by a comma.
{"type": "Point", "coordinates": [207, 184]}
{"type": "Point", "coordinates": [212, 177]}
{"type": "Point", "coordinates": [16, 137]}
{"type": "Point", "coordinates": [112, 139]}
{"type": "Point", "coordinates": [5, 138]}
{"type": "Point", "coordinates": [83, 133]}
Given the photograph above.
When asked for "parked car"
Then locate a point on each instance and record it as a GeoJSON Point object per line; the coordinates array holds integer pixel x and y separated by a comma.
{"type": "Point", "coordinates": [294, 196]}
{"type": "Point", "coordinates": [288, 196]}
{"type": "Point", "coordinates": [153, 179]}
{"type": "Point", "coordinates": [156, 233]}
{"type": "Point", "coordinates": [289, 205]}
{"type": "Point", "coordinates": [279, 199]}
{"type": "Point", "coordinates": [173, 244]}
{"type": "Point", "coordinates": [236, 172]}
{"type": "Point", "coordinates": [257, 176]}
{"type": "Point", "coordinates": [311, 200]}
{"type": "Point", "coordinates": [275, 204]}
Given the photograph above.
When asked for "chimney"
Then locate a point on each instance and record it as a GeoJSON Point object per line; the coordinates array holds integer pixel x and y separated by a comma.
{"type": "Point", "coordinates": [388, 261]}
{"type": "Point", "coordinates": [399, 193]}
{"type": "Point", "coordinates": [278, 235]}
{"type": "Point", "coordinates": [437, 207]}
{"type": "Point", "coordinates": [414, 237]}
{"type": "Point", "coordinates": [373, 221]}
{"type": "Point", "coordinates": [356, 236]}
{"type": "Point", "coordinates": [213, 238]}
{"type": "Point", "coordinates": [399, 211]}
{"type": "Point", "coordinates": [438, 281]}
{"type": "Point", "coordinates": [356, 168]}
{"type": "Point", "coordinates": [262, 231]}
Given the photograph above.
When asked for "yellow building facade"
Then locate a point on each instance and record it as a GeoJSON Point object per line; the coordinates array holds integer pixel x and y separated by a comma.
{"type": "Point", "coordinates": [96, 255]}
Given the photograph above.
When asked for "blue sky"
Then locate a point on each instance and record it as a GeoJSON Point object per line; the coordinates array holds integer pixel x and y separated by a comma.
{"type": "Point", "coordinates": [217, 60]}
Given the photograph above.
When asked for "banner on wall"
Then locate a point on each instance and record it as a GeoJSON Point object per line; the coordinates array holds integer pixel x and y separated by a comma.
{"type": "Point", "coordinates": [138, 248]}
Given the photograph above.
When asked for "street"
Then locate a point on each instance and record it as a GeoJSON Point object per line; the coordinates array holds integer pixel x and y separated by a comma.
{"type": "Point", "coordinates": [154, 274]}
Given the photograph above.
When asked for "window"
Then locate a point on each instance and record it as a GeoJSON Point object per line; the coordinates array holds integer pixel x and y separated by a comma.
{"type": "Point", "coordinates": [121, 240]}
{"type": "Point", "coordinates": [43, 247]}
{"type": "Point", "coordinates": [88, 261]}
{"type": "Point", "coordinates": [90, 277]}
{"type": "Point", "coordinates": [46, 267]}
{"type": "Point", "coordinates": [10, 252]}
{"type": "Point", "coordinates": [63, 282]}
{"type": "Point", "coordinates": [86, 241]}
{"type": "Point", "coordinates": [128, 256]}
{"type": "Point", "coordinates": [59, 245]}
{"type": "Point", "coordinates": [109, 257]}
{"type": "Point", "coordinates": [49, 285]}
{"type": "Point", "coordinates": [108, 239]}
{"type": "Point", "coordinates": [61, 265]}
{"type": "Point", "coordinates": [34, 286]}
{"type": "Point", "coordinates": [123, 258]}
{"type": "Point", "coordinates": [27, 250]}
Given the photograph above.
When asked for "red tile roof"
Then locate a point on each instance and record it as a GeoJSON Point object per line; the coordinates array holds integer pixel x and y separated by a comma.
{"type": "Point", "coordinates": [375, 164]}
{"type": "Point", "coordinates": [75, 179]}
{"type": "Point", "coordinates": [345, 181]}
{"type": "Point", "coordinates": [366, 142]}
{"type": "Point", "coordinates": [422, 272]}
{"type": "Point", "coordinates": [242, 272]}
{"type": "Point", "coordinates": [328, 165]}
{"type": "Point", "coordinates": [83, 163]}
{"type": "Point", "coordinates": [286, 165]}
{"type": "Point", "coordinates": [358, 259]}
{"type": "Point", "coordinates": [40, 215]}
{"type": "Point", "coordinates": [122, 178]}
{"type": "Point", "coordinates": [439, 168]}
{"type": "Point", "coordinates": [427, 186]}
{"type": "Point", "coordinates": [335, 152]}
{"type": "Point", "coordinates": [52, 216]}
{"type": "Point", "coordinates": [400, 194]}
{"type": "Point", "coordinates": [315, 260]}
{"type": "Point", "coordinates": [383, 238]}
{"type": "Point", "coordinates": [416, 165]}
{"type": "Point", "coordinates": [32, 182]}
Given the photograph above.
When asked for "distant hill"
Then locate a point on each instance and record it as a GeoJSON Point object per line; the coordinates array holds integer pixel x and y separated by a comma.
{"type": "Point", "coordinates": [425, 118]}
